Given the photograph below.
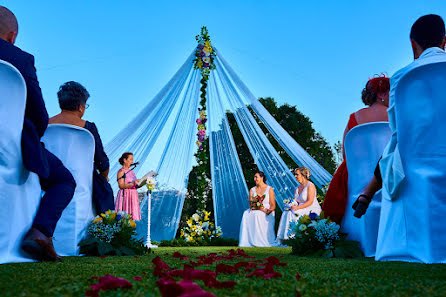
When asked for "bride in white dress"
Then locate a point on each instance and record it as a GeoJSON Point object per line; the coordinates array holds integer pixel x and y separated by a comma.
{"type": "Point", "coordinates": [257, 227]}
{"type": "Point", "coordinates": [305, 196]}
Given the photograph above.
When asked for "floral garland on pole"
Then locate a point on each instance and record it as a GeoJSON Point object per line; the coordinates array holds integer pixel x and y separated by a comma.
{"type": "Point", "coordinates": [204, 61]}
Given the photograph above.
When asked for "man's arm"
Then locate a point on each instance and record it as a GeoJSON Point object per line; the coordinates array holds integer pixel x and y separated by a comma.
{"type": "Point", "coordinates": [35, 106]}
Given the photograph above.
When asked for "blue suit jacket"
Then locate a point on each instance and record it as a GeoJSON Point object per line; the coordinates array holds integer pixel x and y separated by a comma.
{"type": "Point", "coordinates": [36, 116]}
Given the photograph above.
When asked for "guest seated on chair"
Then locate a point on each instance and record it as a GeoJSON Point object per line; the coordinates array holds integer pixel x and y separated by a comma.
{"type": "Point", "coordinates": [305, 196]}
{"type": "Point", "coordinates": [376, 96]}
{"type": "Point", "coordinates": [428, 41]}
{"type": "Point", "coordinates": [73, 103]}
{"type": "Point", "coordinates": [257, 227]}
{"type": "Point", "coordinates": [55, 179]}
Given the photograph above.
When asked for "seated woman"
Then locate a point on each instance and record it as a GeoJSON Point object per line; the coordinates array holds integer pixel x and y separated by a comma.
{"type": "Point", "coordinates": [257, 227]}
{"type": "Point", "coordinates": [73, 103]}
{"type": "Point", "coordinates": [376, 96]}
{"type": "Point", "coordinates": [305, 196]}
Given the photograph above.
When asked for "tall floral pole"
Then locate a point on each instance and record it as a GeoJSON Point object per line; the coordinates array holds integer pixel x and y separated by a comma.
{"type": "Point", "coordinates": [204, 61]}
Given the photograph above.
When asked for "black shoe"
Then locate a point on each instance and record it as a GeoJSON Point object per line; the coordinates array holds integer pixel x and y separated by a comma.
{"type": "Point", "coordinates": [360, 207]}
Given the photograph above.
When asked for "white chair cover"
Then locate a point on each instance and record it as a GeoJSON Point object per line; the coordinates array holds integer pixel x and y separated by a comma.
{"type": "Point", "coordinates": [364, 145]}
{"type": "Point", "coordinates": [19, 188]}
{"type": "Point", "coordinates": [74, 146]}
{"type": "Point", "coordinates": [412, 225]}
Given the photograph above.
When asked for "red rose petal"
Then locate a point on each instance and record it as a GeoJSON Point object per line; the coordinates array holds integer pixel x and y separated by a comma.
{"type": "Point", "coordinates": [298, 277]}
{"type": "Point", "coordinates": [137, 278]}
{"type": "Point", "coordinates": [108, 282]}
{"type": "Point", "coordinates": [92, 293]}
{"type": "Point", "coordinates": [224, 268]}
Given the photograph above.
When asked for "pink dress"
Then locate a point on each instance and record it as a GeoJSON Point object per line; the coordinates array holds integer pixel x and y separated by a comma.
{"type": "Point", "coordinates": [127, 200]}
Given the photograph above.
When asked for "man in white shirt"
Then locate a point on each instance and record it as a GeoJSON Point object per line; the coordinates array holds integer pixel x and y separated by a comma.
{"type": "Point", "coordinates": [428, 41]}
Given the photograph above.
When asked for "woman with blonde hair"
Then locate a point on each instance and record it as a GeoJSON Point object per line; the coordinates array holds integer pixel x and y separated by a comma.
{"type": "Point", "coordinates": [305, 197]}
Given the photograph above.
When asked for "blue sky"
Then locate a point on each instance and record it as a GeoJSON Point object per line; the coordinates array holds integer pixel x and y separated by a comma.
{"type": "Point", "coordinates": [317, 55]}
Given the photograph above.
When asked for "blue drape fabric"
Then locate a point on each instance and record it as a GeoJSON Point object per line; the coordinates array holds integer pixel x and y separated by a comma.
{"type": "Point", "coordinates": [163, 136]}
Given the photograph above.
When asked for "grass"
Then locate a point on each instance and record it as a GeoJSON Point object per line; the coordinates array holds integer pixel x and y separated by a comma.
{"type": "Point", "coordinates": [320, 277]}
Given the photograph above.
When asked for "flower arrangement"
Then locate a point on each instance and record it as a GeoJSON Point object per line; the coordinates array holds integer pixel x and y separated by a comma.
{"type": "Point", "coordinates": [200, 229]}
{"type": "Point", "coordinates": [149, 180]}
{"type": "Point", "coordinates": [204, 54]}
{"type": "Point", "coordinates": [289, 202]}
{"type": "Point", "coordinates": [112, 233]}
{"type": "Point", "coordinates": [256, 202]}
{"type": "Point", "coordinates": [204, 62]}
{"type": "Point", "coordinates": [317, 235]}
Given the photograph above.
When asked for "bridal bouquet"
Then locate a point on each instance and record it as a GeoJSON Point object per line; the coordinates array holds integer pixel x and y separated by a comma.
{"type": "Point", "coordinates": [112, 233]}
{"type": "Point", "coordinates": [316, 235]}
{"type": "Point", "coordinates": [256, 202]}
{"type": "Point", "coordinates": [289, 202]}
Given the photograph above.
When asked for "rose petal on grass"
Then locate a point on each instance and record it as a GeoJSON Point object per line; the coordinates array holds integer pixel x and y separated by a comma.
{"type": "Point", "coordinates": [108, 282]}
{"type": "Point", "coordinates": [92, 293]}
{"type": "Point", "coordinates": [161, 267]}
{"type": "Point", "coordinates": [225, 268]}
{"type": "Point", "coordinates": [298, 277]}
{"type": "Point", "coordinates": [185, 288]}
{"type": "Point", "coordinates": [180, 256]}
{"type": "Point", "coordinates": [137, 278]}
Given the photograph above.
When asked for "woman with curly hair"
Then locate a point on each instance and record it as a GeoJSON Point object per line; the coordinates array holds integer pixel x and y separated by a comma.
{"type": "Point", "coordinates": [376, 96]}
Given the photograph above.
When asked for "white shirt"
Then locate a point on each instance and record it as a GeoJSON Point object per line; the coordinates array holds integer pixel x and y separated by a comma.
{"type": "Point", "coordinates": [390, 165]}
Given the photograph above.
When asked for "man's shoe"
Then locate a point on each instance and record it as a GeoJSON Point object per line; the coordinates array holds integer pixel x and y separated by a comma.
{"type": "Point", "coordinates": [39, 247]}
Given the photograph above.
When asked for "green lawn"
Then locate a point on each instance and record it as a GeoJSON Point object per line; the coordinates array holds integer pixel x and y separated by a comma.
{"type": "Point", "coordinates": [319, 277]}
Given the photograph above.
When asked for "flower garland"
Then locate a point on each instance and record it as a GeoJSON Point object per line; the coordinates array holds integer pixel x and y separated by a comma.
{"type": "Point", "coordinates": [204, 62]}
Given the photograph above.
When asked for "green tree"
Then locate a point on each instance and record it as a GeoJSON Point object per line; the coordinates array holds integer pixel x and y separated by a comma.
{"type": "Point", "coordinates": [300, 128]}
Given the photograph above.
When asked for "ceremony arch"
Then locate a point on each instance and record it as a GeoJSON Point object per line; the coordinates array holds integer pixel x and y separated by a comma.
{"type": "Point", "coordinates": [163, 137]}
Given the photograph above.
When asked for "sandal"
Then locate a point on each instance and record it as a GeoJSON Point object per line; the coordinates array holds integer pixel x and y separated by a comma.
{"type": "Point", "coordinates": [361, 207]}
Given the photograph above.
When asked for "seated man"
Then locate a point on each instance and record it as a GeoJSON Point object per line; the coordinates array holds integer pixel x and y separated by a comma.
{"type": "Point", "coordinates": [428, 40]}
{"type": "Point", "coordinates": [55, 179]}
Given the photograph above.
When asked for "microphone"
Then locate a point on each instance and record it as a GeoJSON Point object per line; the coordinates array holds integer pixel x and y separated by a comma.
{"type": "Point", "coordinates": [134, 164]}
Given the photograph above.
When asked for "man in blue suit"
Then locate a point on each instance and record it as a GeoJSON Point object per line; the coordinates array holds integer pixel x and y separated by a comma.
{"type": "Point", "coordinates": [55, 179]}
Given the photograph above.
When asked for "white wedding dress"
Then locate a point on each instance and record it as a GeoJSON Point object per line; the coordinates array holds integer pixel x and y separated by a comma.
{"type": "Point", "coordinates": [257, 228]}
{"type": "Point", "coordinates": [289, 216]}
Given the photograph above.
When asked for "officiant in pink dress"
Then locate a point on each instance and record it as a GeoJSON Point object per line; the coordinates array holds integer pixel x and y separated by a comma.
{"type": "Point", "coordinates": [127, 199]}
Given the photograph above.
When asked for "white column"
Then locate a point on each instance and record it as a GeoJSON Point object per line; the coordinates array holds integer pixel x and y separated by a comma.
{"type": "Point", "coordinates": [149, 208]}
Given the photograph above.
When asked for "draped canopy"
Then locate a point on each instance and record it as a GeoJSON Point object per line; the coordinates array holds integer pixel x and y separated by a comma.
{"type": "Point", "coordinates": [163, 135]}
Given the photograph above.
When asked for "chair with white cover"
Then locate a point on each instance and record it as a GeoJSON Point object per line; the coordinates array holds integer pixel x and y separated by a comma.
{"type": "Point", "coordinates": [412, 224]}
{"type": "Point", "coordinates": [74, 146]}
{"type": "Point", "coordinates": [19, 188]}
{"type": "Point", "coordinates": [364, 145]}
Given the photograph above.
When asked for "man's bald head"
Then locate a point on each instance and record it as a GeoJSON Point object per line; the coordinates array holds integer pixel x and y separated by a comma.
{"type": "Point", "coordinates": [8, 25]}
